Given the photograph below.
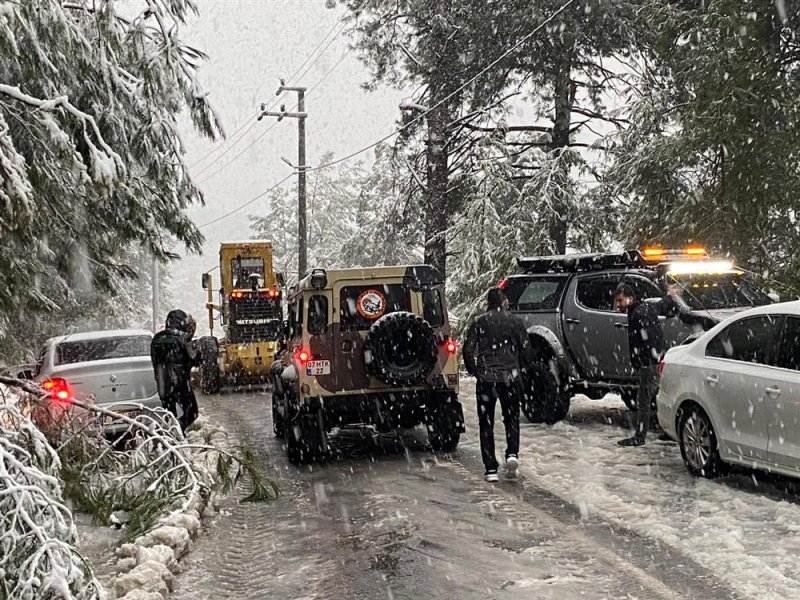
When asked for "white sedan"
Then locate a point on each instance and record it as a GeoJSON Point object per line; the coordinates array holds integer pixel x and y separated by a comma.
{"type": "Point", "coordinates": [109, 368]}
{"type": "Point", "coordinates": [733, 395]}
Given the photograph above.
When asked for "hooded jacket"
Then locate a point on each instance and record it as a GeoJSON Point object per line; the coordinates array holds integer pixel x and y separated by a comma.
{"type": "Point", "coordinates": [497, 347]}
{"type": "Point", "coordinates": [172, 354]}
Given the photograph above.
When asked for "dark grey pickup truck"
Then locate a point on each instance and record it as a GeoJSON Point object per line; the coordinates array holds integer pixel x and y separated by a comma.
{"type": "Point", "coordinates": [580, 340]}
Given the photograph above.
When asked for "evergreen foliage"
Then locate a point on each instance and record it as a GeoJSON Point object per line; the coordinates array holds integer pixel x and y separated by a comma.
{"type": "Point", "coordinates": [91, 161]}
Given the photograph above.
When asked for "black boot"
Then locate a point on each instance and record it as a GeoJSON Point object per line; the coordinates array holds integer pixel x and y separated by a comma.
{"type": "Point", "coordinates": [637, 440]}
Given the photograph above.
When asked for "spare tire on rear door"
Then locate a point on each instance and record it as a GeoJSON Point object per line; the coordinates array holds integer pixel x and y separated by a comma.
{"type": "Point", "coordinates": [400, 349]}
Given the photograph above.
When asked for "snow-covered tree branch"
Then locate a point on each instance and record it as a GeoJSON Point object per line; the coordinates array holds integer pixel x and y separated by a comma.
{"type": "Point", "coordinates": [91, 161]}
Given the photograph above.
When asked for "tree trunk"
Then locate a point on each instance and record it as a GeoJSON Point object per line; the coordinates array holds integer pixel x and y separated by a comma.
{"type": "Point", "coordinates": [564, 98]}
{"type": "Point", "coordinates": [444, 63]}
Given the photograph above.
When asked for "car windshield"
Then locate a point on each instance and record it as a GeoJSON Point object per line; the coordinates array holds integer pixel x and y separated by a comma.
{"type": "Point", "coordinates": [71, 352]}
{"type": "Point", "coordinates": [702, 292]}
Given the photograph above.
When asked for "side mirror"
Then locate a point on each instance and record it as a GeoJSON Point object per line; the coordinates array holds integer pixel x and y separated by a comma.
{"type": "Point", "coordinates": [25, 374]}
{"type": "Point", "coordinates": [206, 277]}
{"type": "Point", "coordinates": [280, 278]}
{"type": "Point", "coordinates": [774, 297]}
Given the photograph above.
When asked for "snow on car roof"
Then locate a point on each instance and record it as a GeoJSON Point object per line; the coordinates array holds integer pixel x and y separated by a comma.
{"type": "Point", "coordinates": [100, 335]}
{"type": "Point", "coordinates": [786, 308]}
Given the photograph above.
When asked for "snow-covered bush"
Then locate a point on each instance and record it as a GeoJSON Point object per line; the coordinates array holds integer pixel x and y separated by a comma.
{"type": "Point", "coordinates": [38, 556]}
{"type": "Point", "coordinates": [150, 471]}
{"type": "Point", "coordinates": [151, 479]}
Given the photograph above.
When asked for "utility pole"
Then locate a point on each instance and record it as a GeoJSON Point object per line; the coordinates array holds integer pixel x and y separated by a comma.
{"type": "Point", "coordinates": [300, 115]}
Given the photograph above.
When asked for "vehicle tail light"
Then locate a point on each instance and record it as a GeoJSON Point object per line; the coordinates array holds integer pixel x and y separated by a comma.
{"type": "Point", "coordinates": [303, 356]}
{"type": "Point", "coordinates": [272, 293]}
{"type": "Point", "coordinates": [58, 389]}
{"type": "Point", "coordinates": [503, 283]}
{"type": "Point", "coordinates": [661, 366]}
{"type": "Point", "coordinates": [238, 294]}
{"type": "Point", "coordinates": [450, 346]}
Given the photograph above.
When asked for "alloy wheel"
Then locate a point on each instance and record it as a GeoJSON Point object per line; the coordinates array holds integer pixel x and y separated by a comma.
{"type": "Point", "coordinates": [697, 441]}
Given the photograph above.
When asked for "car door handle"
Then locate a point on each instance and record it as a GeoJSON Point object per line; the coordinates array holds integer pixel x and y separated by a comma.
{"type": "Point", "coordinates": [773, 391]}
{"type": "Point", "coordinates": [621, 325]}
{"type": "Point", "coordinates": [572, 321]}
{"type": "Point", "coordinates": [712, 379]}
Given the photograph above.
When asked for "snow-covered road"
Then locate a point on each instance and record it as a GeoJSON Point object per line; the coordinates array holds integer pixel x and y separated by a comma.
{"type": "Point", "coordinates": [744, 529]}
{"type": "Point", "coordinates": [394, 521]}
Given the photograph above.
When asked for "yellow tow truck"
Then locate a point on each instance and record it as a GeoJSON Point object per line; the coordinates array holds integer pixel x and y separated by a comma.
{"type": "Point", "coordinates": [251, 313]}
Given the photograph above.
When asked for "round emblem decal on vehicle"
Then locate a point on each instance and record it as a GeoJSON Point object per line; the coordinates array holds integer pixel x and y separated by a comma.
{"type": "Point", "coordinates": [371, 304]}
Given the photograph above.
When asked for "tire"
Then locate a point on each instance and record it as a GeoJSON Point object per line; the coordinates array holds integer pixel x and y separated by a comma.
{"type": "Point", "coordinates": [400, 349]}
{"type": "Point", "coordinates": [445, 424]}
{"type": "Point", "coordinates": [698, 442]}
{"type": "Point", "coordinates": [210, 375]}
{"type": "Point", "coordinates": [544, 401]}
{"type": "Point", "coordinates": [305, 439]}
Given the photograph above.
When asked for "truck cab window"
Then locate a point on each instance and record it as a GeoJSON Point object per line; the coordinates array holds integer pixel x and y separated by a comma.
{"type": "Point", "coordinates": [597, 293]}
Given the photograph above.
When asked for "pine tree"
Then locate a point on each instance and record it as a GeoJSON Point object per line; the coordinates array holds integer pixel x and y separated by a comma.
{"type": "Point", "coordinates": [711, 156]}
{"type": "Point", "coordinates": [91, 162]}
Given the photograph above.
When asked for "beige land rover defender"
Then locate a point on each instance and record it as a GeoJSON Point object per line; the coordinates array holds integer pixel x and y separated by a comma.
{"type": "Point", "coordinates": [366, 346]}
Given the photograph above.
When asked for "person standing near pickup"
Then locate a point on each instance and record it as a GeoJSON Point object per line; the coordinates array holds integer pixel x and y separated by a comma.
{"type": "Point", "coordinates": [647, 347]}
{"type": "Point", "coordinates": [496, 351]}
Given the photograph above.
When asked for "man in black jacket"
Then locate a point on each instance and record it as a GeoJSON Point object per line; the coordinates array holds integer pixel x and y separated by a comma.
{"type": "Point", "coordinates": [496, 351]}
{"type": "Point", "coordinates": [647, 347]}
{"type": "Point", "coordinates": [173, 357]}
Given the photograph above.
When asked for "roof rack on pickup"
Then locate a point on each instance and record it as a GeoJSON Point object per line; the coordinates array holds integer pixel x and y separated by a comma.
{"type": "Point", "coordinates": [568, 263]}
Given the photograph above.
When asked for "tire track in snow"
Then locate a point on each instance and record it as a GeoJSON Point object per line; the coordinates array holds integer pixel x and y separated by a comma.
{"type": "Point", "coordinates": [252, 551]}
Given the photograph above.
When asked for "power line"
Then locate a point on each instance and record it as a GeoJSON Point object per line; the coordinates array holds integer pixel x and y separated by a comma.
{"type": "Point", "coordinates": [407, 125]}
{"type": "Point", "coordinates": [248, 203]}
{"type": "Point", "coordinates": [271, 106]}
{"type": "Point", "coordinates": [274, 124]}
{"type": "Point", "coordinates": [260, 87]}
{"type": "Point", "coordinates": [449, 96]}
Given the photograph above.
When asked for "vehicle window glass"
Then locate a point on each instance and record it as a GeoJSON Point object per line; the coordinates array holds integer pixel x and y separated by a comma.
{"type": "Point", "coordinates": [709, 291]}
{"type": "Point", "coordinates": [317, 315]}
{"type": "Point", "coordinates": [292, 314]}
{"type": "Point", "coordinates": [750, 340]}
{"type": "Point", "coordinates": [361, 305]}
{"type": "Point", "coordinates": [790, 344]}
{"type": "Point", "coordinates": [597, 293]}
{"type": "Point", "coordinates": [532, 294]}
{"type": "Point", "coordinates": [299, 318]}
{"type": "Point", "coordinates": [644, 288]}
{"type": "Point", "coordinates": [102, 349]}
{"type": "Point", "coordinates": [432, 308]}
{"type": "Point", "coordinates": [246, 270]}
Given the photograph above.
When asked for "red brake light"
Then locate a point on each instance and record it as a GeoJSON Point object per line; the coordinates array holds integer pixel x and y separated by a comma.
{"type": "Point", "coordinates": [451, 346]}
{"type": "Point", "coordinates": [661, 366]}
{"type": "Point", "coordinates": [503, 283]}
{"type": "Point", "coordinates": [303, 356]}
{"type": "Point", "coordinates": [58, 389]}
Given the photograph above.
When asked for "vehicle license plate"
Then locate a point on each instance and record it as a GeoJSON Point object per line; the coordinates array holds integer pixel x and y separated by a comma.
{"type": "Point", "coordinates": [318, 367]}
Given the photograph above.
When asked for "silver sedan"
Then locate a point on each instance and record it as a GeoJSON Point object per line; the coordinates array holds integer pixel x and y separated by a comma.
{"type": "Point", "coordinates": [109, 368]}
{"type": "Point", "coordinates": [733, 395]}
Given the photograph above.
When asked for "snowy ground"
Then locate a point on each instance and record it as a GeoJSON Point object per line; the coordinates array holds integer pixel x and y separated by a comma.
{"type": "Point", "coordinates": [744, 531]}
{"type": "Point", "coordinates": [588, 519]}
{"type": "Point", "coordinates": [391, 520]}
